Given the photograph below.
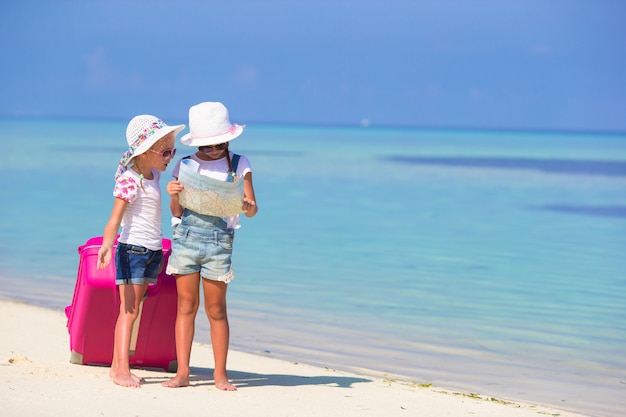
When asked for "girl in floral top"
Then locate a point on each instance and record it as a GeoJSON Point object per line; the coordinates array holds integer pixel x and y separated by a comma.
{"type": "Point", "coordinates": [137, 209]}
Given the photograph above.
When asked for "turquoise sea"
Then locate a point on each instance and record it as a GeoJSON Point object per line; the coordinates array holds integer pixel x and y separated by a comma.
{"type": "Point", "coordinates": [492, 262]}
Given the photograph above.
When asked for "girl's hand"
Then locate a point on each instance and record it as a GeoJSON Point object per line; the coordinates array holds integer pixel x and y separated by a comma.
{"type": "Point", "coordinates": [174, 187]}
{"type": "Point", "coordinates": [249, 207]}
{"type": "Point", "coordinates": [104, 257]}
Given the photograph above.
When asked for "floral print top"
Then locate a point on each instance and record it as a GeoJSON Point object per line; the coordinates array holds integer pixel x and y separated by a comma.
{"type": "Point", "coordinates": [126, 188]}
{"type": "Point", "coordinates": [141, 223]}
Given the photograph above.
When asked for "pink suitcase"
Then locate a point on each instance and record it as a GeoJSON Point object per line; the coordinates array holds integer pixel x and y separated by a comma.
{"type": "Point", "coordinates": [95, 306]}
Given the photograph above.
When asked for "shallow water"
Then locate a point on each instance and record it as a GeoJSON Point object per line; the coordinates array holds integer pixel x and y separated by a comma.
{"type": "Point", "coordinates": [486, 261]}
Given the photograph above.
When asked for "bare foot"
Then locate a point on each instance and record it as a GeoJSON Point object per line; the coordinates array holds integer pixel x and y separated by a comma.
{"type": "Point", "coordinates": [135, 377]}
{"type": "Point", "coordinates": [176, 382]}
{"type": "Point", "coordinates": [126, 381]}
{"type": "Point", "coordinates": [224, 385]}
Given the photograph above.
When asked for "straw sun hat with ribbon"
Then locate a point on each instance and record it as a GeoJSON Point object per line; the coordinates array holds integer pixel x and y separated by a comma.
{"type": "Point", "coordinates": [209, 124]}
{"type": "Point", "coordinates": [142, 132]}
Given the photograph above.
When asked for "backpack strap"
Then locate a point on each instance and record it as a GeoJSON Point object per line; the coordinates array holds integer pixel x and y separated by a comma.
{"type": "Point", "coordinates": [232, 175]}
{"type": "Point", "coordinates": [235, 162]}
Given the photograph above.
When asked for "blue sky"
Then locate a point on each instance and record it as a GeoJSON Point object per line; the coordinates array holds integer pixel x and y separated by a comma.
{"type": "Point", "coordinates": [503, 64]}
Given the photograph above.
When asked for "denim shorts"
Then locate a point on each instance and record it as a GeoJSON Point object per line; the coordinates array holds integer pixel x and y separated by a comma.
{"type": "Point", "coordinates": [202, 243]}
{"type": "Point", "coordinates": [136, 264]}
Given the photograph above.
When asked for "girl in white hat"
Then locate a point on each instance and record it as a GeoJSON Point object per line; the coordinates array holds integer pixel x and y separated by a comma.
{"type": "Point", "coordinates": [202, 243]}
{"type": "Point", "coordinates": [137, 208]}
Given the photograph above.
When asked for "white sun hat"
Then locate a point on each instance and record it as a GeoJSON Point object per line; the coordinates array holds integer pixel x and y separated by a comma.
{"type": "Point", "coordinates": [209, 124]}
{"type": "Point", "coordinates": [142, 132]}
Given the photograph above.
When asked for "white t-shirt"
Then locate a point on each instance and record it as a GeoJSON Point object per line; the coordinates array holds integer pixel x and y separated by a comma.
{"type": "Point", "coordinates": [141, 224]}
{"type": "Point", "coordinates": [218, 170]}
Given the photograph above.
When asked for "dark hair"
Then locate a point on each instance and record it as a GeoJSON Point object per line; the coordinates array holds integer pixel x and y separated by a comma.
{"type": "Point", "coordinates": [230, 164]}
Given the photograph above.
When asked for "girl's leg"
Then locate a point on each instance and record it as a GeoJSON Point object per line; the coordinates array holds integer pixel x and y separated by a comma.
{"type": "Point", "coordinates": [130, 297]}
{"type": "Point", "coordinates": [215, 306]}
{"type": "Point", "coordinates": [188, 287]}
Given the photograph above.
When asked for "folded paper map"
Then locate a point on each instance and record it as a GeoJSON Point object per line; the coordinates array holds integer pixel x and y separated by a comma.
{"type": "Point", "coordinates": [206, 195]}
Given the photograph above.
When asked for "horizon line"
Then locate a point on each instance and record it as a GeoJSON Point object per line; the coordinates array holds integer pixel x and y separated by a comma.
{"type": "Point", "coordinates": [360, 125]}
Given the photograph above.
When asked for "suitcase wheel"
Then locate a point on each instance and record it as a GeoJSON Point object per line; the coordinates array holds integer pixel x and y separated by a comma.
{"type": "Point", "coordinates": [76, 358]}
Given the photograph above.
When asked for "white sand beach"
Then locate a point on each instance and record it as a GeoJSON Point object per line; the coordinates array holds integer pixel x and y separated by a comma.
{"type": "Point", "coordinates": [37, 379]}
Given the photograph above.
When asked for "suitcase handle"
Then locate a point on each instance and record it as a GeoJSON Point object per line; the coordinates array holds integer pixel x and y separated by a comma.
{"type": "Point", "coordinates": [153, 289]}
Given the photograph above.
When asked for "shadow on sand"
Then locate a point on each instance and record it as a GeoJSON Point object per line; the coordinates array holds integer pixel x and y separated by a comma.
{"type": "Point", "coordinates": [204, 376]}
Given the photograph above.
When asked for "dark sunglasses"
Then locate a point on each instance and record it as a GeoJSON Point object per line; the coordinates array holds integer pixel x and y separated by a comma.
{"type": "Point", "coordinates": [209, 148]}
{"type": "Point", "coordinates": [168, 153]}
